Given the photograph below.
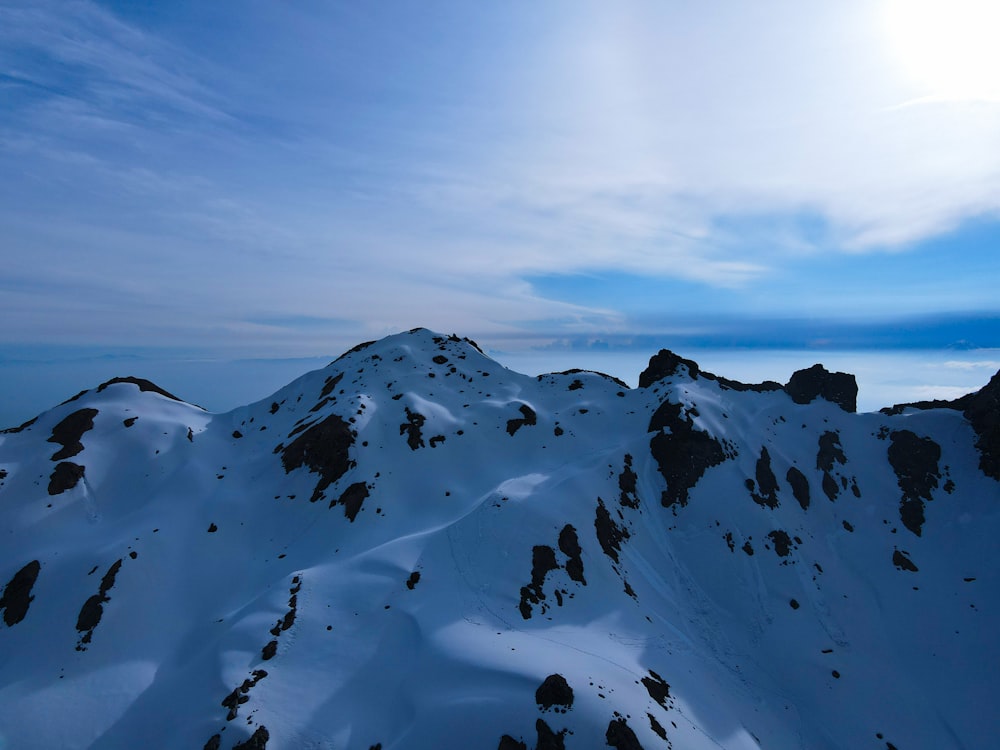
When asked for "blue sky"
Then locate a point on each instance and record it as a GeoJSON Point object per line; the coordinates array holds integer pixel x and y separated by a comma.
{"type": "Point", "coordinates": [285, 179]}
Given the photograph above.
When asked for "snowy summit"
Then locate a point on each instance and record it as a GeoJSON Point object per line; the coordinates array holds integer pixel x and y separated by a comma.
{"type": "Point", "coordinates": [415, 547]}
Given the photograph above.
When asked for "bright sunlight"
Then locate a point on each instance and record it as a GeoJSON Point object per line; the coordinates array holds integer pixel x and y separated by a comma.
{"type": "Point", "coordinates": [948, 48]}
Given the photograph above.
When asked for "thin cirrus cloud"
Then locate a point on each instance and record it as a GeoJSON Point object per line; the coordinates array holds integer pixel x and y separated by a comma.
{"type": "Point", "coordinates": [265, 167]}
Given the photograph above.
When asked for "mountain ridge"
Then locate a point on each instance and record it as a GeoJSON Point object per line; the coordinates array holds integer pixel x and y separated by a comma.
{"type": "Point", "coordinates": [415, 547]}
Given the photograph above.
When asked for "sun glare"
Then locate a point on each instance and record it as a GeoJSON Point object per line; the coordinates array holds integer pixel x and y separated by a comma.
{"type": "Point", "coordinates": [948, 48]}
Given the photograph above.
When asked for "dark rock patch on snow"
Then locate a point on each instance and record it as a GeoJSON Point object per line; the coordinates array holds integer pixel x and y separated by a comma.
{"type": "Point", "coordinates": [413, 580]}
{"type": "Point", "coordinates": [256, 741]}
{"type": "Point", "coordinates": [554, 692]}
{"type": "Point", "coordinates": [766, 494]}
{"type": "Point", "coordinates": [241, 695]}
{"type": "Point", "coordinates": [509, 743]}
{"type": "Point", "coordinates": [830, 451]}
{"type": "Point", "coordinates": [93, 609]}
{"type": "Point", "coordinates": [323, 449]}
{"type": "Point", "coordinates": [620, 736]}
{"type": "Point", "coordinates": [527, 417]}
{"type": "Point", "coordinates": [800, 486]}
{"type": "Point", "coordinates": [411, 428]}
{"type": "Point", "coordinates": [838, 388]}
{"type": "Point", "coordinates": [65, 477]}
{"type": "Point", "coordinates": [17, 593]}
{"type": "Point", "coordinates": [543, 560]}
{"type": "Point", "coordinates": [69, 431]}
{"type": "Point", "coordinates": [609, 534]}
{"type": "Point", "coordinates": [781, 541]}
{"type": "Point", "coordinates": [569, 545]}
{"type": "Point", "coordinates": [547, 739]}
{"type": "Point", "coordinates": [142, 384]}
{"type": "Point", "coordinates": [902, 561]}
{"type": "Point", "coordinates": [915, 461]}
{"type": "Point", "coordinates": [352, 499]}
{"type": "Point", "coordinates": [627, 484]}
{"type": "Point", "coordinates": [658, 689]}
{"type": "Point", "coordinates": [683, 454]}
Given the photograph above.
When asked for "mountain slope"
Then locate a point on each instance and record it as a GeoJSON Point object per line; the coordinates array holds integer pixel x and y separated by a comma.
{"type": "Point", "coordinates": [417, 548]}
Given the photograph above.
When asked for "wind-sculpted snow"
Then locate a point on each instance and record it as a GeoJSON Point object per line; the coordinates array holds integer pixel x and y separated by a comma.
{"type": "Point", "coordinates": [501, 561]}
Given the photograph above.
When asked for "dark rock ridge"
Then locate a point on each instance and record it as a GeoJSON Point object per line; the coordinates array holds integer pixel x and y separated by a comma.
{"type": "Point", "coordinates": [838, 388]}
{"type": "Point", "coordinates": [982, 409]}
{"type": "Point", "coordinates": [803, 387]}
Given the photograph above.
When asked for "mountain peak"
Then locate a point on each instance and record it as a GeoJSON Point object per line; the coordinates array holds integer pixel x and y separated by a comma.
{"type": "Point", "coordinates": [415, 547]}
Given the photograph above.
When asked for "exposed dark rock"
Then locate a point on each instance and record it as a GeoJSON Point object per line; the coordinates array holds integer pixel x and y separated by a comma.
{"type": "Point", "coordinates": [323, 449]}
{"type": "Point", "coordinates": [547, 739]}
{"type": "Point", "coordinates": [256, 741]}
{"type": "Point", "coordinates": [748, 548]}
{"type": "Point", "coordinates": [212, 528]}
{"type": "Point", "coordinates": [237, 434]}
{"type": "Point", "coordinates": [543, 560]}
{"type": "Point", "coordinates": [142, 384]}
{"type": "Point", "coordinates": [577, 384]}
{"type": "Point", "coordinates": [352, 499]}
{"type": "Point", "coordinates": [69, 431]}
{"type": "Point", "coordinates": [657, 688]}
{"type": "Point", "coordinates": [439, 359]}
{"type": "Point", "coordinates": [130, 421]}
{"type": "Point", "coordinates": [902, 561]}
{"type": "Point", "coordinates": [782, 542]}
{"type": "Point", "coordinates": [683, 454]}
{"type": "Point", "coordinates": [657, 727]}
{"type": "Point", "coordinates": [554, 691]}
{"type": "Point", "coordinates": [626, 483]}
{"type": "Point", "coordinates": [274, 407]}
{"type": "Point", "coordinates": [830, 451]}
{"type": "Point", "coordinates": [527, 417]}
{"type": "Point", "coordinates": [800, 486]}
{"type": "Point", "coordinates": [65, 477]}
{"type": "Point", "coordinates": [93, 609]}
{"type": "Point", "coordinates": [288, 620]}
{"type": "Point", "coordinates": [767, 484]}
{"type": "Point", "coordinates": [509, 743]}
{"type": "Point", "coordinates": [328, 385]}
{"type": "Point", "coordinates": [915, 461]}
{"type": "Point", "coordinates": [20, 428]}
{"type": "Point", "coordinates": [269, 651]}
{"type": "Point", "coordinates": [838, 388]}
{"type": "Point", "coordinates": [413, 580]}
{"type": "Point", "coordinates": [621, 736]}
{"type": "Point", "coordinates": [354, 349]}
{"type": "Point", "coordinates": [17, 593]}
{"type": "Point", "coordinates": [609, 534]}
{"type": "Point", "coordinates": [982, 409]}
{"type": "Point", "coordinates": [569, 544]}
{"type": "Point", "coordinates": [666, 363]}
{"type": "Point", "coordinates": [214, 742]}
{"type": "Point", "coordinates": [411, 428]}
{"type": "Point", "coordinates": [241, 695]}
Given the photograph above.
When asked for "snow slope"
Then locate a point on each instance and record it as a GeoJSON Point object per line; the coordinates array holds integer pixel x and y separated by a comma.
{"type": "Point", "coordinates": [417, 548]}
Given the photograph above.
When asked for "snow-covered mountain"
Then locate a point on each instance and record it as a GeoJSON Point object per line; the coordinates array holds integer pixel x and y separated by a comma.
{"type": "Point", "coordinates": [417, 548]}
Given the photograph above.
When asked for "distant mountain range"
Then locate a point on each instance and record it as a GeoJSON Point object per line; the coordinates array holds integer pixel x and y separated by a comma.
{"type": "Point", "coordinates": [415, 547]}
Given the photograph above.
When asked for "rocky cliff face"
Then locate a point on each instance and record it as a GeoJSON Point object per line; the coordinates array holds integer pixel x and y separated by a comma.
{"type": "Point", "coordinates": [417, 548]}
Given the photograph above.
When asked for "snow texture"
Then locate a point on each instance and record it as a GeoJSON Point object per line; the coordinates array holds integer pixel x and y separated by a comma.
{"type": "Point", "coordinates": [417, 548]}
